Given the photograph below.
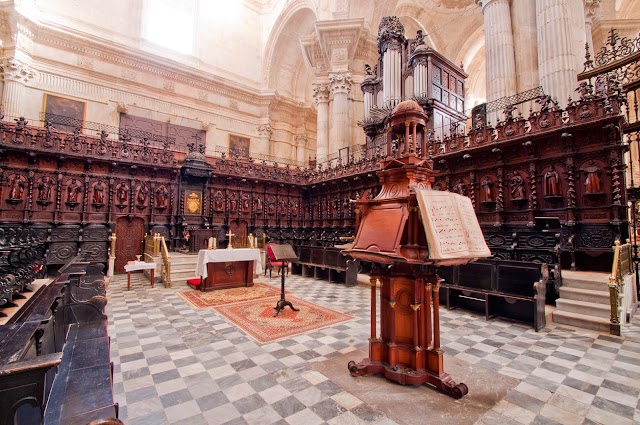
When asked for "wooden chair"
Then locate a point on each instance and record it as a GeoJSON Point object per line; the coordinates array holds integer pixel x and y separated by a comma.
{"type": "Point", "coordinates": [271, 262]}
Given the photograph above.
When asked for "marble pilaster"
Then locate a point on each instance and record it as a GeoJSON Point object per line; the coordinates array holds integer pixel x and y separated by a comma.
{"type": "Point", "coordinates": [590, 10]}
{"type": "Point", "coordinates": [340, 84]}
{"type": "Point", "coordinates": [321, 95]}
{"type": "Point", "coordinates": [264, 142]}
{"type": "Point", "coordinates": [301, 145]}
{"type": "Point", "coordinates": [525, 45]}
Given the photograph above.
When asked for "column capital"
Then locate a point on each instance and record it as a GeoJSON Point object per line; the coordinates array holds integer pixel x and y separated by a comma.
{"type": "Point", "coordinates": [321, 93]}
{"type": "Point", "coordinates": [265, 130]}
{"type": "Point", "coordinates": [14, 70]}
{"type": "Point", "coordinates": [340, 83]}
{"type": "Point", "coordinates": [301, 139]}
{"type": "Point", "coordinates": [485, 3]}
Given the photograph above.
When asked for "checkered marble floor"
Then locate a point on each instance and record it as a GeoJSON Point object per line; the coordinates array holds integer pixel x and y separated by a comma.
{"type": "Point", "coordinates": [174, 364]}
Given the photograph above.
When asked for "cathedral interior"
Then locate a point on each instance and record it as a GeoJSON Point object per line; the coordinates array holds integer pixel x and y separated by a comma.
{"type": "Point", "coordinates": [151, 136]}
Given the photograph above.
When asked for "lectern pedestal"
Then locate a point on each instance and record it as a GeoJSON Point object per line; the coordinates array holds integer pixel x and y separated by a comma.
{"type": "Point", "coordinates": [283, 253]}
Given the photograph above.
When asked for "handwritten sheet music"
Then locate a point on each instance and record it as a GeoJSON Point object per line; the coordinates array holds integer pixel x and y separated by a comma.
{"type": "Point", "coordinates": [451, 225]}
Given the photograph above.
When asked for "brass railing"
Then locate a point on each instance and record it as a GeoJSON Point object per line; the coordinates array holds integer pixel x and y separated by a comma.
{"type": "Point", "coordinates": [152, 245]}
{"type": "Point", "coordinates": [622, 266]}
{"type": "Point", "coordinates": [166, 261]}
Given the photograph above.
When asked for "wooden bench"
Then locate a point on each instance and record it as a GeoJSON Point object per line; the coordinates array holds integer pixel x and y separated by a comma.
{"type": "Point", "coordinates": [325, 263]}
{"type": "Point", "coordinates": [512, 290]}
{"type": "Point", "coordinates": [83, 387]}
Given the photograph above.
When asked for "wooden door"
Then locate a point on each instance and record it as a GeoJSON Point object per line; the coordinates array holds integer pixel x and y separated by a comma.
{"type": "Point", "coordinates": [129, 243]}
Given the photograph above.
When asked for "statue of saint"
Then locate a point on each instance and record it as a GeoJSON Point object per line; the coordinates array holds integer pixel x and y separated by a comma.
{"type": "Point", "coordinates": [122, 193]}
{"type": "Point", "coordinates": [592, 181]}
{"type": "Point", "coordinates": [517, 187]}
{"type": "Point", "coordinates": [44, 189]}
{"type": "Point", "coordinates": [98, 193]}
{"type": "Point", "coordinates": [73, 190]}
{"type": "Point", "coordinates": [161, 197]}
{"type": "Point", "coordinates": [143, 191]}
{"type": "Point", "coordinates": [486, 188]}
{"type": "Point", "coordinates": [460, 188]}
{"type": "Point", "coordinates": [551, 183]}
{"type": "Point", "coordinates": [17, 188]}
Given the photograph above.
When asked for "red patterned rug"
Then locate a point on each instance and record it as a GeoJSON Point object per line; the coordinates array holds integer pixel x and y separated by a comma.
{"type": "Point", "coordinates": [200, 299]}
{"type": "Point", "coordinates": [255, 317]}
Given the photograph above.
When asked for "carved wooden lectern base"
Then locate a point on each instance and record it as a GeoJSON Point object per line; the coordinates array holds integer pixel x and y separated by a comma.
{"type": "Point", "coordinates": [408, 349]}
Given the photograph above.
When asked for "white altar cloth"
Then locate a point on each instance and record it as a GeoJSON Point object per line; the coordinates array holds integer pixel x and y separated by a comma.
{"type": "Point", "coordinates": [138, 265]}
{"type": "Point", "coordinates": [226, 255]}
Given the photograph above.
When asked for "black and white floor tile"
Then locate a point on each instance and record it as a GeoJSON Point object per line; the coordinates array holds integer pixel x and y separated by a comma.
{"type": "Point", "coordinates": [174, 364]}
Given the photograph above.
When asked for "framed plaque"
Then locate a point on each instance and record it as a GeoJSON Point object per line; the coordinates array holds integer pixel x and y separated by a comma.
{"type": "Point", "coordinates": [193, 202]}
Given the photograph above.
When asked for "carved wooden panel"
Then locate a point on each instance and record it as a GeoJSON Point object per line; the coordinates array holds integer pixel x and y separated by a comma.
{"type": "Point", "coordinates": [95, 251]}
{"type": "Point", "coordinates": [95, 233]}
{"type": "Point", "coordinates": [129, 242]}
{"type": "Point", "coordinates": [61, 252]}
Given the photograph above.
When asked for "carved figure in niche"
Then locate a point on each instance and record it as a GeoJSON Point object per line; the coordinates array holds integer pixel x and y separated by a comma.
{"type": "Point", "coordinates": [98, 193]}
{"type": "Point", "coordinates": [73, 190]}
{"type": "Point", "coordinates": [16, 189]}
{"type": "Point", "coordinates": [258, 204]}
{"type": "Point", "coordinates": [592, 181]}
{"type": "Point", "coordinates": [551, 183]}
{"type": "Point", "coordinates": [486, 189]}
{"type": "Point", "coordinates": [161, 197]}
{"type": "Point", "coordinates": [218, 203]}
{"type": "Point", "coordinates": [246, 203]}
{"type": "Point", "coordinates": [367, 69]}
{"type": "Point", "coordinates": [233, 205]}
{"type": "Point", "coordinates": [271, 208]}
{"type": "Point", "coordinates": [122, 193]}
{"type": "Point", "coordinates": [143, 191]}
{"type": "Point", "coordinates": [460, 188]}
{"type": "Point", "coordinates": [44, 189]}
{"type": "Point", "coordinates": [517, 187]}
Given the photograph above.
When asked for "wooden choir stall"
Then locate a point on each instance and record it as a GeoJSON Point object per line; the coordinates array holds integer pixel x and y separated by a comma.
{"type": "Point", "coordinates": [422, 229]}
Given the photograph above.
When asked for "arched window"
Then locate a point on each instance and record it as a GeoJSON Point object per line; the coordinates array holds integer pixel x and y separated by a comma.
{"type": "Point", "coordinates": [170, 24]}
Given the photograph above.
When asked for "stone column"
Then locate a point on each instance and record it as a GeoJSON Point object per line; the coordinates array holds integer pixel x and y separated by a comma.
{"type": "Point", "coordinates": [523, 17]}
{"type": "Point", "coordinates": [321, 94]}
{"type": "Point", "coordinates": [500, 59]}
{"type": "Point", "coordinates": [264, 143]}
{"type": "Point", "coordinates": [557, 59]}
{"type": "Point", "coordinates": [301, 144]}
{"type": "Point", "coordinates": [340, 87]}
{"type": "Point", "coordinates": [590, 9]}
{"type": "Point", "coordinates": [16, 75]}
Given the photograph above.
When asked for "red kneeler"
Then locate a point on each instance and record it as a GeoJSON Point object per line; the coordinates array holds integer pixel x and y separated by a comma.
{"type": "Point", "coordinates": [194, 283]}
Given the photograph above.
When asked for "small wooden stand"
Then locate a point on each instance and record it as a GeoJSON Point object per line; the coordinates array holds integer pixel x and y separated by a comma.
{"type": "Point", "coordinates": [283, 253]}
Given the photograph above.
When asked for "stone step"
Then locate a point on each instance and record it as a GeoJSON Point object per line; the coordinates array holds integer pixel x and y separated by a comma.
{"type": "Point", "coordinates": [581, 321]}
{"type": "Point", "coordinates": [183, 266]}
{"type": "Point", "coordinates": [184, 260]}
{"type": "Point", "coordinates": [585, 280]}
{"type": "Point", "coordinates": [587, 308]}
{"type": "Point", "coordinates": [577, 294]}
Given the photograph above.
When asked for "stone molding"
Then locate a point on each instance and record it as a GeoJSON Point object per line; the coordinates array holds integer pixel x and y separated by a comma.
{"type": "Point", "coordinates": [301, 140]}
{"type": "Point", "coordinates": [486, 3]}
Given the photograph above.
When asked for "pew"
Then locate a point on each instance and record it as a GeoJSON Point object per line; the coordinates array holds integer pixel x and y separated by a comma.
{"type": "Point", "coordinates": [513, 290]}
{"type": "Point", "coordinates": [325, 263]}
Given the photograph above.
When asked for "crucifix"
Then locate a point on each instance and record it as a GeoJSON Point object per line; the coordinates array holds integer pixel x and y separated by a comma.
{"type": "Point", "coordinates": [196, 144]}
{"type": "Point", "coordinates": [230, 235]}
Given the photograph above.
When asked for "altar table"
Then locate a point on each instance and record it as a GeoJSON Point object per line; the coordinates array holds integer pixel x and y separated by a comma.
{"type": "Point", "coordinates": [227, 268]}
{"type": "Point", "coordinates": [132, 266]}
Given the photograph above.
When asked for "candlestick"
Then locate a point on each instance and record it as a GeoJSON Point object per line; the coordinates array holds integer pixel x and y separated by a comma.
{"type": "Point", "coordinates": [215, 243]}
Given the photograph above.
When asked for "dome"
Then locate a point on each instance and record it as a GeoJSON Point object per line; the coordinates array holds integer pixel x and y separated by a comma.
{"type": "Point", "coordinates": [407, 106]}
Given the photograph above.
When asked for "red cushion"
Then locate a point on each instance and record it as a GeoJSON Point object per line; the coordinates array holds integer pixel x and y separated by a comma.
{"type": "Point", "coordinates": [194, 282]}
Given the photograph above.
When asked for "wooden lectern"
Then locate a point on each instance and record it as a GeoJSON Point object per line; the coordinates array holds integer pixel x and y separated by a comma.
{"type": "Point", "coordinates": [284, 254]}
{"type": "Point", "coordinates": [392, 235]}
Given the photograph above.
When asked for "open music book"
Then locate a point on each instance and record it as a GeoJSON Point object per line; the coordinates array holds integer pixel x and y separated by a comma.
{"type": "Point", "coordinates": [451, 225]}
